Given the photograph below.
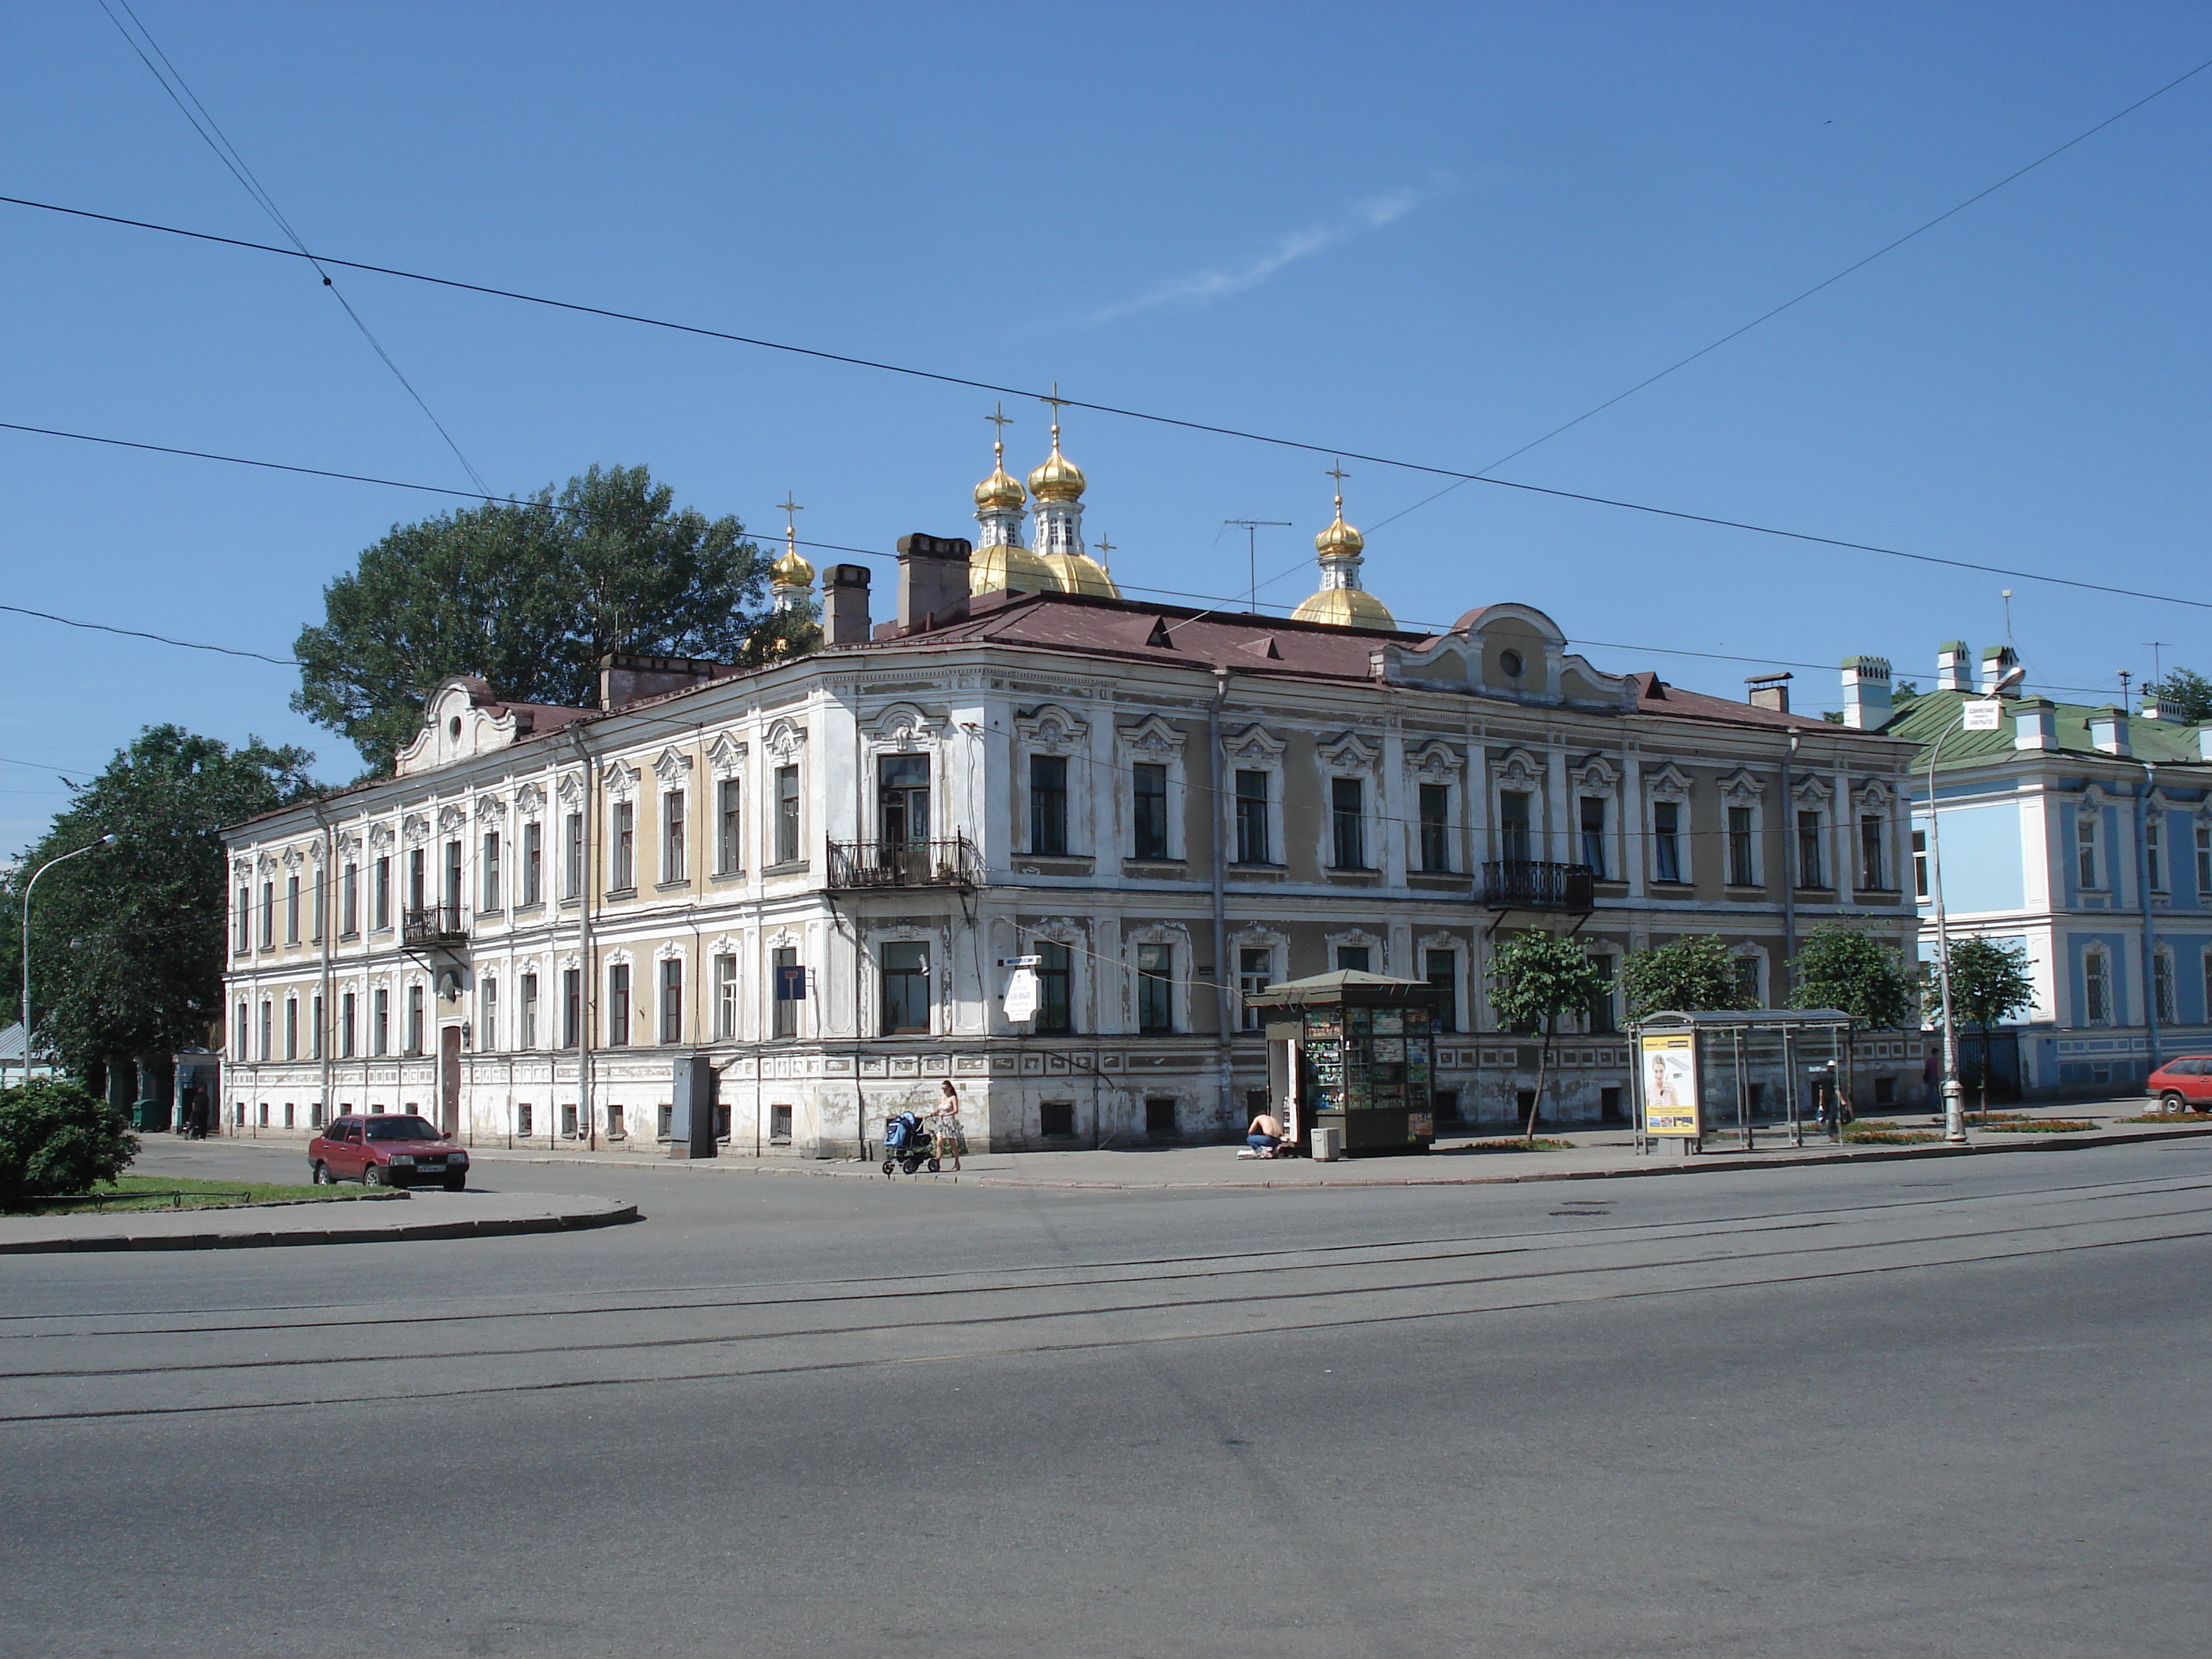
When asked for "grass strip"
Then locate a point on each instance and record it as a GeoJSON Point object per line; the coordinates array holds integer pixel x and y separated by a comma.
{"type": "Point", "coordinates": [133, 1192]}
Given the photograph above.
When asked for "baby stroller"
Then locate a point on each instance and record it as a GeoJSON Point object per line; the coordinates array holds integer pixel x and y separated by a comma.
{"type": "Point", "coordinates": [908, 1145]}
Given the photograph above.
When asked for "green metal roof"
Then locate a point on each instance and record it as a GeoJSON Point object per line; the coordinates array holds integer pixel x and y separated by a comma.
{"type": "Point", "coordinates": [1933, 712]}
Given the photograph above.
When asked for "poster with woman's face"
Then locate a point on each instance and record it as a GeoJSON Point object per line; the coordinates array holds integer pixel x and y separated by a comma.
{"type": "Point", "coordinates": [1670, 1085]}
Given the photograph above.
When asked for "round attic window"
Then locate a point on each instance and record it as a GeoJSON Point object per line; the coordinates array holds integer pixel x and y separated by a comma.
{"type": "Point", "coordinates": [453, 725]}
{"type": "Point", "coordinates": [1509, 661]}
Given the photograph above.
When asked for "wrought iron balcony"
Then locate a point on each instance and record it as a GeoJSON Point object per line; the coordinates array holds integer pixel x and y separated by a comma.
{"type": "Point", "coordinates": [866, 865]}
{"type": "Point", "coordinates": [434, 924]}
{"type": "Point", "coordinates": [1530, 885]}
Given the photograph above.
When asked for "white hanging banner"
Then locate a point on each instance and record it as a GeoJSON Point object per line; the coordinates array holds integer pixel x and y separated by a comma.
{"type": "Point", "coordinates": [1022, 995]}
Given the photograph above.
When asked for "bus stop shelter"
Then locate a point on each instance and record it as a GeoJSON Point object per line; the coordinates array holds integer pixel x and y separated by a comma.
{"type": "Point", "coordinates": [1734, 1073]}
{"type": "Point", "coordinates": [1353, 1052]}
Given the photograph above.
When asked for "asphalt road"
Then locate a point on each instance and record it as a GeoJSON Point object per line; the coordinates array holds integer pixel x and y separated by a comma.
{"type": "Point", "coordinates": [1946, 1408]}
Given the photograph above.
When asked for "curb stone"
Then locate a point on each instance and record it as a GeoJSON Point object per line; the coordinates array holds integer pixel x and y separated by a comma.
{"type": "Point", "coordinates": [485, 1227]}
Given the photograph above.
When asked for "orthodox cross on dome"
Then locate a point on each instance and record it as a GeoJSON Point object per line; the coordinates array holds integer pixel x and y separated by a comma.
{"type": "Point", "coordinates": [1058, 404]}
{"type": "Point", "coordinates": [999, 418]}
{"type": "Point", "coordinates": [1105, 547]}
{"type": "Point", "coordinates": [789, 507]}
{"type": "Point", "coordinates": [1338, 473]}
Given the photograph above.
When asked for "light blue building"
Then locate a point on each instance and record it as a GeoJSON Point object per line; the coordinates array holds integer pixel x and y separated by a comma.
{"type": "Point", "coordinates": [2084, 834]}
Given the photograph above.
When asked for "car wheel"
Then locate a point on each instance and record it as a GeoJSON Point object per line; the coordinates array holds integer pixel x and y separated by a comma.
{"type": "Point", "coordinates": [319, 1173]}
{"type": "Point", "coordinates": [2173, 1101]}
{"type": "Point", "coordinates": [457, 1183]}
{"type": "Point", "coordinates": [375, 1176]}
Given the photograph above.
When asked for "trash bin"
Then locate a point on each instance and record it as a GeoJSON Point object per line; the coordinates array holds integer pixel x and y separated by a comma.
{"type": "Point", "coordinates": [149, 1116]}
{"type": "Point", "coordinates": [1327, 1145]}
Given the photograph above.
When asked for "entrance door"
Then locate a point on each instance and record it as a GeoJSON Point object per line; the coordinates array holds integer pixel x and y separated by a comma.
{"type": "Point", "coordinates": [449, 1080]}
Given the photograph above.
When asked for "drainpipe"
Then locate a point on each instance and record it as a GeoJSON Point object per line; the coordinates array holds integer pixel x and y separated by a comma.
{"type": "Point", "coordinates": [1789, 876]}
{"type": "Point", "coordinates": [1222, 1011]}
{"type": "Point", "coordinates": [323, 1025]}
{"type": "Point", "coordinates": [2150, 941]}
{"type": "Point", "coordinates": [587, 971]}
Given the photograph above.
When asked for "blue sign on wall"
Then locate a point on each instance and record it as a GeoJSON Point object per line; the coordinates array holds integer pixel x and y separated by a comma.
{"type": "Point", "coordinates": [791, 983]}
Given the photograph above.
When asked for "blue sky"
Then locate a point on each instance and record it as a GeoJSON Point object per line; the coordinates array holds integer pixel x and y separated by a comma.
{"type": "Point", "coordinates": [1427, 233]}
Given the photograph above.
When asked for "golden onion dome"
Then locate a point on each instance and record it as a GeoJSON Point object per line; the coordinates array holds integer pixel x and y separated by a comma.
{"type": "Point", "coordinates": [1079, 573]}
{"type": "Point", "coordinates": [1345, 607]}
{"type": "Point", "coordinates": [793, 570]}
{"type": "Point", "coordinates": [1000, 492]}
{"type": "Point", "coordinates": [1058, 479]}
{"type": "Point", "coordinates": [1340, 540]}
{"type": "Point", "coordinates": [1005, 569]}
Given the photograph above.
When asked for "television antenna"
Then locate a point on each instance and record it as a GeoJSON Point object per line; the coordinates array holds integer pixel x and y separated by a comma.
{"type": "Point", "coordinates": [1252, 528]}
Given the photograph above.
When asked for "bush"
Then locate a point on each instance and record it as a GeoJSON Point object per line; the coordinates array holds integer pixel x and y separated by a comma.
{"type": "Point", "coordinates": [55, 1137]}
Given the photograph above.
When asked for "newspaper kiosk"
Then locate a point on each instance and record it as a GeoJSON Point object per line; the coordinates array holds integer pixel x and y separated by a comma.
{"type": "Point", "coordinates": [1352, 1052]}
{"type": "Point", "coordinates": [1736, 1071]}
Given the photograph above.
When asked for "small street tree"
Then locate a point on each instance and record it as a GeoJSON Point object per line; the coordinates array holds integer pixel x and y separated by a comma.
{"type": "Point", "coordinates": [2188, 691]}
{"type": "Point", "coordinates": [1533, 979]}
{"type": "Point", "coordinates": [1990, 983]}
{"type": "Point", "coordinates": [1685, 974]}
{"type": "Point", "coordinates": [1838, 966]}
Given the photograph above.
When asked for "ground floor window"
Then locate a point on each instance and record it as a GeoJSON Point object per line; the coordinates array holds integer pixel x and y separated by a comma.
{"type": "Point", "coordinates": [568, 1122]}
{"type": "Point", "coordinates": [906, 988]}
{"type": "Point", "coordinates": [779, 1125]}
{"type": "Point", "coordinates": [1056, 1118]}
{"type": "Point", "coordinates": [1160, 1118]}
{"type": "Point", "coordinates": [522, 1120]}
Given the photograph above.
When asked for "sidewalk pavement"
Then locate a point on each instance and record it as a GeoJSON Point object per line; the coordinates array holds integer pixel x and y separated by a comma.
{"type": "Point", "coordinates": [1460, 1159]}
{"type": "Point", "coordinates": [366, 1220]}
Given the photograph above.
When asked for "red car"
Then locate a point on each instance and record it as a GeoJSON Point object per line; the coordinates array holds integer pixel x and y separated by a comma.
{"type": "Point", "coordinates": [396, 1149]}
{"type": "Point", "coordinates": [2180, 1083]}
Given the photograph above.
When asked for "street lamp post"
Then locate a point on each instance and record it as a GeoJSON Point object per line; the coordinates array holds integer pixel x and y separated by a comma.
{"type": "Point", "coordinates": [105, 840]}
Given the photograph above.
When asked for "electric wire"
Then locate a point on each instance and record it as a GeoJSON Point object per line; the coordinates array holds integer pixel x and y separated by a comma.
{"type": "Point", "coordinates": [1340, 451]}
{"type": "Point", "coordinates": [204, 123]}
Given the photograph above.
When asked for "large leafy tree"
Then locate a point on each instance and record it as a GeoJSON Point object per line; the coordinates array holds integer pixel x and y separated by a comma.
{"type": "Point", "coordinates": [127, 942]}
{"type": "Point", "coordinates": [1838, 966]}
{"type": "Point", "coordinates": [1533, 979]}
{"type": "Point", "coordinates": [1683, 975]}
{"type": "Point", "coordinates": [529, 597]}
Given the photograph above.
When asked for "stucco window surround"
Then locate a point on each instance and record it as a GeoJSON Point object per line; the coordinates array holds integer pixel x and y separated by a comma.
{"type": "Point", "coordinates": [1359, 939]}
{"type": "Point", "coordinates": [1748, 952]}
{"type": "Point", "coordinates": [1743, 790]}
{"type": "Point", "coordinates": [1518, 772]}
{"type": "Point", "coordinates": [1177, 939]}
{"type": "Point", "coordinates": [1437, 764]}
{"type": "Point", "coordinates": [721, 1016]}
{"type": "Point", "coordinates": [1082, 1012]}
{"type": "Point", "coordinates": [1256, 749]}
{"type": "Point", "coordinates": [725, 764]}
{"type": "Point", "coordinates": [1813, 860]}
{"type": "Point", "coordinates": [1875, 798]}
{"type": "Point", "coordinates": [672, 862]}
{"type": "Point", "coordinates": [2099, 994]}
{"type": "Point", "coordinates": [904, 729]}
{"type": "Point", "coordinates": [2167, 855]}
{"type": "Point", "coordinates": [1348, 755]}
{"type": "Point", "coordinates": [1052, 730]}
{"type": "Point", "coordinates": [1598, 778]}
{"type": "Point", "coordinates": [618, 782]}
{"type": "Point", "coordinates": [2094, 867]}
{"type": "Point", "coordinates": [1670, 784]}
{"type": "Point", "coordinates": [2166, 985]}
{"type": "Point", "coordinates": [1152, 741]}
{"type": "Point", "coordinates": [784, 745]}
{"type": "Point", "coordinates": [1264, 939]}
{"type": "Point", "coordinates": [873, 940]}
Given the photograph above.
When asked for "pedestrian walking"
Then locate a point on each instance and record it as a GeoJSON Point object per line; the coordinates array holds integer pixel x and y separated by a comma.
{"type": "Point", "coordinates": [944, 1123]}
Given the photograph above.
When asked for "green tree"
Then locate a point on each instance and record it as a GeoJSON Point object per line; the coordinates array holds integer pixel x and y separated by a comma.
{"type": "Point", "coordinates": [1837, 966]}
{"type": "Point", "coordinates": [127, 943]}
{"type": "Point", "coordinates": [529, 598]}
{"type": "Point", "coordinates": [1990, 983]}
{"type": "Point", "coordinates": [1683, 975]}
{"type": "Point", "coordinates": [1533, 979]}
{"type": "Point", "coordinates": [55, 1137]}
{"type": "Point", "coordinates": [2188, 691]}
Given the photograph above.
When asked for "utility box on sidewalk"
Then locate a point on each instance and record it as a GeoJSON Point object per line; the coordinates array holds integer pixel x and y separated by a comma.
{"type": "Point", "coordinates": [691, 1110]}
{"type": "Point", "coordinates": [1355, 1053]}
{"type": "Point", "coordinates": [1327, 1145]}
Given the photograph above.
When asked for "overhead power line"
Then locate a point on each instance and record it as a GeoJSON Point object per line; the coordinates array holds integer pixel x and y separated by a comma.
{"type": "Point", "coordinates": [140, 634]}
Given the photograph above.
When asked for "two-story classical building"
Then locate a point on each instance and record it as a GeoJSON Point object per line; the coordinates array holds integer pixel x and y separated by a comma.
{"type": "Point", "coordinates": [811, 872]}
{"type": "Point", "coordinates": [2082, 832]}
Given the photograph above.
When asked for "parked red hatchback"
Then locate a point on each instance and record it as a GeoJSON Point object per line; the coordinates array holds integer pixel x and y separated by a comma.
{"type": "Point", "coordinates": [395, 1149]}
{"type": "Point", "coordinates": [2184, 1082]}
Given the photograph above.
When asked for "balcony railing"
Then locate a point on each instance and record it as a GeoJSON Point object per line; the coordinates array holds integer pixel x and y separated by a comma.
{"type": "Point", "coordinates": [1529, 884]}
{"type": "Point", "coordinates": [878, 864]}
{"type": "Point", "coordinates": [434, 924]}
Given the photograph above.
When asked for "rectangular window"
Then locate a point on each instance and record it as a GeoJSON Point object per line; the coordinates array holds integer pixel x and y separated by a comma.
{"type": "Point", "coordinates": [1252, 838]}
{"type": "Point", "coordinates": [526, 1026]}
{"type": "Point", "coordinates": [2161, 979]}
{"type": "Point", "coordinates": [450, 894]}
{"type": "Point", "coordinates": [1255, 972]}
{"type": "Point", "coordinates": [1747, 980]}
{"type": "Point", "coordinates": [1056, 1119]}
{"type": "Point", "coordinates": [1743, 870]}
{"type": "Point", "coordinates": [2097, 982]}
{"type": "Point", "coordinates": [244, 941]}
{"type": "Point", "coordinates": [486, 1035]}
{"type": "Point", "coordinates": [1516, 839]}
{"type": "Point", "coordinates": [2204, 870]}
{"type": "Point", "coordinates": [905, 988]}
{"type": "Point", "coordinates": [1355, 959]}
{"type": "Point", "coordinates": [316, 1015]}
{"type": "Point", "coordinates": [291, 909]}
{"type": "Point", "coordinates": [616, 1131]}
{"type": "Point", "coordinates": [1592, 810]}
{"type": "Point", "coordinates": [618, 1006]}
{"type": "Point", "coordinates": [1435, 826]}
{"type": "Point", "coordinates": [1055, 1008]}
{"type": "Point", "coordinates": [1347, 810]}
{"type": "Point", "coordinates": [672, 1000]}
{"type": "Point", "coordinates": [1048, 804]}
{"type": "Point", "coordinates": [268, 915]}
{"type": "Point", "coordinates": [291, 1027]}
{"type": "Point", "coordinates": [379, 1022]}
{"type": "Point", "coordinates": [1601, 1020]}
{"type": "Point", "coordinates": [2154, 866]}
{"type": "Point", "coordinates": [418, 881]}
{"type": "Point", "coordinates": [322, 904]}
{"type": "Point", "coordinates": [522, 1120]}
{"type": "Point", "coordinates": [785, 1008]}
{"type": "Point", "coordinates": [1441, 970]}
{"type": "Point", "coordinates": [903, 799]}
{"type": "Point", "coordinates": [568, 1120]}
{"type": "Point", "coordinates": [726, 999]}
{"type": "Point", "coordinates": [492, 898]}
{"type": "Point", "coordinates": [1666, 841]}
{"type": "Point", "coordinates": [346, 1014]}
{"type": "Point", "coordinates": [414, 1019]}
{"type": "Point", "coordinates": [1810, 873]}
{"type": "Point", "coordinates": [674, 865]}
{"type": "Point", "coordinates": [1155, 989]}
{"type": "Point", "coordinates": [1149, 816]}
{"type": "Point", "coordinates": [572, 856]}
{"type": "Point", "coordinates": [779, 1125]}
{"type": "Point", "coordinates": [1871, 872]}
{"type": "Point", "coordinates": [534, 861]}
{"type": "Point", "coordinates": [238, 1033]}
{"type": "Point", "coordinates": [572, 1007]}
{"type": "Point", "coordinates": [1160, 1119]}
{"type": "Point", "coordinates": [381, 894]}
{"type": "Point", "coordinates": [729, 850]}
{"type": "Point", "coordinates": [1920, 863]}
{"type": "Point", "coordinates": [786, 815]}
{"type": "Point", "coordinates": [622, 840]}
{"type": "Point", "coordinates": [2084, 843]}
{"type": "Point", "coordinates": [268, 1029]}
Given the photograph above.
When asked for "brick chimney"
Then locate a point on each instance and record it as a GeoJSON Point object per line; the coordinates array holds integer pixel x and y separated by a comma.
{"type": "Point", "coordinates": [1867, 706]}
{"type": "Point", "coordinates": [932, 581]}
{"type": "Point", "coordinates": [845, 605]}
{"type": "Point", "coordinates": [1770, 691]}
{"type": "Point", "coordinates": [624, 679]}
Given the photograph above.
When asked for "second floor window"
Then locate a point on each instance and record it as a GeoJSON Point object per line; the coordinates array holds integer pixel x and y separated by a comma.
{"type": "Point", "coordinates": [786, 815]}
{"type": "Point", "coordinates": [291, 909]}
{"type": "Point", "coordinates": [1252, 839]}
{"type": "Point", "coordinates": [525, 1012]}
{"type": "Point", "coordinates": [379, 896]}
{"type": "Point", "coordinates": [1666, 841]}
{"type": "Point", "coordinates": [572, 856]}
{"type": "Point", "coordinates": [1347, 811]}
{"type": "Point", "coordinates": [784, 1005]}
{"type": "Point", "coordinates": [493, 896]}
{"type": "Point", "coordinates": [2153, 865]}
{"type": "Point", "coordinates": [1149, 816]}
{"type": "Point", "coordinates": [2205, 865]}
{"type": "Point", "coordinates": [533, 860]}
{"type": "Point", "coordinates": [1155, 988]}
{"type": "Point", "coordinates": [903, 799]}
{"type": "Point", "coordinates": [572, 1007]}
{"type": "Point", "coordinates": [268, 914]}
{"type": "Point", "coordinates": [729, 850]}
{"type": "Point", "coordinates": [1056, 1008]}
{"type": "Point", "coordinates": [1255, 972]}
{"type": "Point", "coordinates": [1592, 809]}
{"type": "Point", "coordinates": [1920, 863]}
{"type": "Point", "coordinates": [1435, 826]}
{"type": "Point", "coordinates": [350, 901]}
{"type": "Point", "coordinates": [417, 880]}
{"type": "Point", "coordinates": [379, 1022]}
{"type": "Point", "coordinates": [672, 1000]}
{"type": "Point", "coordinates": [414, 1019]}
{"type": "Point", "coordinates": [2085, 844]}
{"type": "Point", "coordinates": [487, 1015]}
{"type": "Point", "coordinates": [725, 998]}
{"type": "Point", "coordinates": [347, 1007]}
{"type": "Point", "coordinates": [618, 1006]}
{"type": "Point", "coordinates": [1516, 840]}
{"type": "Point", "coordinates": [1743, 868]}
{"type": "Point", "coordinates": [1048, 804]}
{"type": "Point", "coordinates": [1810, 873]}
{"type": "Point", "coordinates": [622, 833]}
{"type": "Point", "coordinates": [1871, 872]}
{"type": "Point", "coordinates": [245, 939]}
{"type": "Point", "coordinates": [674, 866]}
